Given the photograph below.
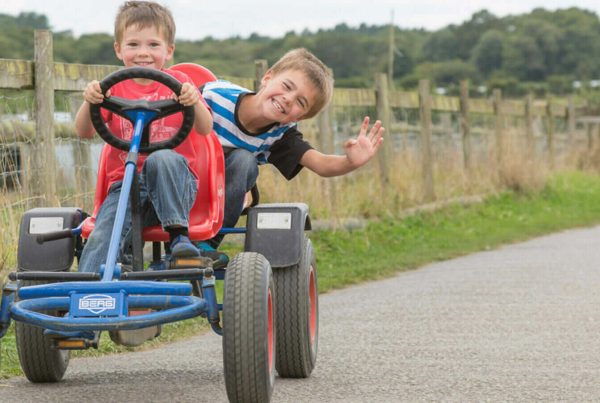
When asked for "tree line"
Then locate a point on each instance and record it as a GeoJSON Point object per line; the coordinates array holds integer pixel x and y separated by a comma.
{"type": "Point", "coordinates": [541, 51]}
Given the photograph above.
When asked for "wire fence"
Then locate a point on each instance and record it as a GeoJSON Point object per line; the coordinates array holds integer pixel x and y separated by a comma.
{"type": "Point", "coordinates": [77, 159]}
{"type": "Point", "coordinates": [436, 147]}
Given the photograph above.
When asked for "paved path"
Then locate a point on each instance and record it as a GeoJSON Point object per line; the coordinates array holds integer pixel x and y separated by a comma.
{"type": "Point", "coordinates": [521, 323]}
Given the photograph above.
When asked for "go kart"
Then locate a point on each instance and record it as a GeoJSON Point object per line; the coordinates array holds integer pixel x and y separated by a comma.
{"type": "Point", "coordinates": [268, 316]}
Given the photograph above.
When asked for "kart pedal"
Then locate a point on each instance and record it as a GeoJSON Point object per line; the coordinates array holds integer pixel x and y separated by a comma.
{"type": "Point", "coordinates": [73, 340]}
{"type": "Point", "coordinates": [190, 262]}
{"type": "Point", "coordinates": [73, 344]}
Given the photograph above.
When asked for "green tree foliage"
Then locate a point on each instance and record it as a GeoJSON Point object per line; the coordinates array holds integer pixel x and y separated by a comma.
{"type": "Point", "coordinates": [16, 34]}
{"type": "Point", "coordinates": [539, 50]}
{"type": "Point", "coordinates": [532, 51]}
{"type": "Point", "coordinates": [469, 33]}
{"type": "Point", "coordinates": [487, 53]}
{"type": "Point", "coordinates": [524, 60]}
{"type": "Point", "coordinates": [446, 73]}
{"type": "Point", "coordinates": [441, 45]}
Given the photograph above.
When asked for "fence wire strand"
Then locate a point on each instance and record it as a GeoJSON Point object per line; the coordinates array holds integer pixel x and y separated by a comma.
{"type": "Point", "coordinates": [499, 157]}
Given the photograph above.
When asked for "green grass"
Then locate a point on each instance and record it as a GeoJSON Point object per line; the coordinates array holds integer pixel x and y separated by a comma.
{"type": "Point", "coordinates": [388, 246]}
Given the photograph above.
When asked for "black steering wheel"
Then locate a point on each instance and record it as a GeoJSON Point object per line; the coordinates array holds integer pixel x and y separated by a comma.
{"type": "Point", "coordinates": [121, 106]}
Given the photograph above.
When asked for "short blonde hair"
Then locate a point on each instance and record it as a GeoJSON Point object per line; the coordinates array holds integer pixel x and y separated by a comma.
{"type": "Point", "coordinates": [317, 72]}
{"type": "Point", "coordinates": [145, 14]}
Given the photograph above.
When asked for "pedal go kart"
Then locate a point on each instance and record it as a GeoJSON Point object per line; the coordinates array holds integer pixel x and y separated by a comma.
{"type": "Point", "coordinates": [268, 317]}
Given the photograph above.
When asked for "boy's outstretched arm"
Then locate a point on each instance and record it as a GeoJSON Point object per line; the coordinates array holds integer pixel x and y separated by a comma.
{"type": "Point", "coordinates": [203, 118]}
{"type": "Point", "coordinates": [358, 150]}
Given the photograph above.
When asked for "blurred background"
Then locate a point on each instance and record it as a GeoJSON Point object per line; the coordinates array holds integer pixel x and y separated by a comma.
{"type": "Point", "coordinates": [476, 99]}
{"type": "Point", "coordinates": [518, 46]}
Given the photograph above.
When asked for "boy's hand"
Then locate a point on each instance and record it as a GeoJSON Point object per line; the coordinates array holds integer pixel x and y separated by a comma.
{"type": "Point", "coordinates": [362, 148]}
{"type": "Point", "coordinates": [93, 93]}
{"type": "Point", "coordinates": [189, 95]}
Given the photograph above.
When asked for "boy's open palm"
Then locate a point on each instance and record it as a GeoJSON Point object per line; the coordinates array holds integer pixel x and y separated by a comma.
{"type": "Point", "coordinates": [361, 149]}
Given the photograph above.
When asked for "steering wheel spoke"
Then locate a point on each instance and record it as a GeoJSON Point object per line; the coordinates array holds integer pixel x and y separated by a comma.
{"type": "Point", "coordinates": [166, 107]}
{"type": "Point", "coordinates": [118, 105]}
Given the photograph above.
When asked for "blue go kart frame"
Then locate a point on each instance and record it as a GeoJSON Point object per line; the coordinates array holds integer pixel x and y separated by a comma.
{"type": "Point", "coordinates": [59, 310]}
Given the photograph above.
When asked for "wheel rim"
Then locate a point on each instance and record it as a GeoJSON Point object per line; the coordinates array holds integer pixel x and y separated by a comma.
{"type": "Point", "coordinates": [312, 290]}
{"type": "Point", "coordinates": [270, 329]}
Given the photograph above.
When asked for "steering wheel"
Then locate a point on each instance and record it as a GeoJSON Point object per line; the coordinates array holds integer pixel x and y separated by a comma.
{"type": "Point", "coordinates": [122, 106]}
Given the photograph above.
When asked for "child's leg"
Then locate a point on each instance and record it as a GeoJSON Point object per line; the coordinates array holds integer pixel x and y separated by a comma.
{"type": "Point", "coordinates": [171, 188]}
{"type": "Point", "coordinates": [96, 248]}
{"type": "Point", "coordinates": [241, 172]}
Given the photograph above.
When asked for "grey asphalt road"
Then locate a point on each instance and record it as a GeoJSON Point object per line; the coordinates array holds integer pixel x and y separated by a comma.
{"type": "Point", "coordinates": [521, 323]}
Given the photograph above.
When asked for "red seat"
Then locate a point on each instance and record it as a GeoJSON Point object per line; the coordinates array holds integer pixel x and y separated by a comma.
{"type": "Point", "coordinates": [206, 216]}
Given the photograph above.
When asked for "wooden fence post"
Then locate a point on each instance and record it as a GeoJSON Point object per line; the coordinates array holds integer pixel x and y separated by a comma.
{"type": "Point", "coordinates": [326, 134]}
{"type": "Point", "coordinates": [529, 126]}
{"type": "Point", "coordinates": [260, 68]}
{"type": "Point", "coordinates": [465, 124]}
{"type": "Point", "coordinates": [43, 172]}
{"type": "Point", "coordinates": [426, 154]}
{"type": "Point", "coordinates": [326, 139]}
{"type": "Point", "coordinates": [550, 132]}
{"type": "Point", "coordinates": [589, 128]}
{"type": "Point", "coordinates": [571, 121]}
{"type": "Point", "coordinates": [499, 128]}
{"type": "Point", "coordinates": [384, 112]}
{"type": "Point", "coordinates": [84, 180]}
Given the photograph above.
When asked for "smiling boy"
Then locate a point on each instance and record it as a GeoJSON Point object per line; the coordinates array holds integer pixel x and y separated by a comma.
{"type": "Point", "coordinates": [261, 127]}
{"type": "Point", "coordinates": [145, 37]}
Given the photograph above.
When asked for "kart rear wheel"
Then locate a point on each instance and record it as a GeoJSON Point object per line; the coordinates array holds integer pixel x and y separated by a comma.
{"type": "Point", "coordinates": [297, 319]}
{"type": "Point", "coordinates": [249, 329]}
{"type": "Point", "coordinates": [39, 360]}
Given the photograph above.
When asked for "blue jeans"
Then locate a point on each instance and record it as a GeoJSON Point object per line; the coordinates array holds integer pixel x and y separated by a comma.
{"type": "Point", "coordinates": [167, 193]}
{"type": "Point", "coordinates": [241, 172]}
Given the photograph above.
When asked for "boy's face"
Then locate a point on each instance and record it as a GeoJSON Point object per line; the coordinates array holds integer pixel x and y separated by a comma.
{"type": "Point", "coordinates": [286, 96]}
{"type": "Point", "coordinates": [143, 47]}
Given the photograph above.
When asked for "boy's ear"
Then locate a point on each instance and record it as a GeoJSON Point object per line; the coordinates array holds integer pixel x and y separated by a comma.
{"type": "Point", "coordinates": [117, 47]}
{"type": "Point", "coordinates": [170, 51]}
{"type": "Point", "coordinates": [266, 77]}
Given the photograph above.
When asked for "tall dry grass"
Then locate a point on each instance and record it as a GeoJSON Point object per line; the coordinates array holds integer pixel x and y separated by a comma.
{"type": "Point", "coordinates": [10, 216]}
{"type": "Point", "coordinates": [364, 194]}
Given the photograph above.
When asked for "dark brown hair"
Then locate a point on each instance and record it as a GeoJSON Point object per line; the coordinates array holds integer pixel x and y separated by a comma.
{"type": "Point", "coordinates": [145, 14]}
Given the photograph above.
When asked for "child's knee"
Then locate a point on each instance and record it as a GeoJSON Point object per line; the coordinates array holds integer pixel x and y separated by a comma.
{"type": "Point", "coordinates": [162, 158]}
{"type": "Point", "coordinates": [244, 161]}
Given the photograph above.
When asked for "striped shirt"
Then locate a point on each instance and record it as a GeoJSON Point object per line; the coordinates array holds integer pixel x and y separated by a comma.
{"type": "Point", "coordinates": [222, 97]}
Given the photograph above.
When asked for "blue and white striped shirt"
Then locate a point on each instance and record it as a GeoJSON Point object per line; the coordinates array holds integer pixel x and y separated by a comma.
{"type": "Point", "coordinates": [222, 97]}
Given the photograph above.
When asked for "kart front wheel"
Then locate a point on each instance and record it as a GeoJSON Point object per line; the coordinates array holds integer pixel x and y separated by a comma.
{"type": "Point", "coordinates": [40, 361]}
{"type": "Point", "coordinates": [249, 329]}
{"type": "Point", "coordinates": [297, 315]}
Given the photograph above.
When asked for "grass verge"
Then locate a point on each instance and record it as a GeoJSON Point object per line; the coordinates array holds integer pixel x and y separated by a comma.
{"type": "Point", "coordinates": [389, 246]}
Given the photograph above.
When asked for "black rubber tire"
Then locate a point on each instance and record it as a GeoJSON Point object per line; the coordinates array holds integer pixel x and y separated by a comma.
{"type": "Point", "coordinates": [39, 361]}
{"type": "Point", "coordinates": [248, 329]}
{"type": "Point", "coordinates": [297, 302]}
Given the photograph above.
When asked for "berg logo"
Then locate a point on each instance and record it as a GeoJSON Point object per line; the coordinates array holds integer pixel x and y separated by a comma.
{"type": "Point", "coordinates": [97, 303]}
